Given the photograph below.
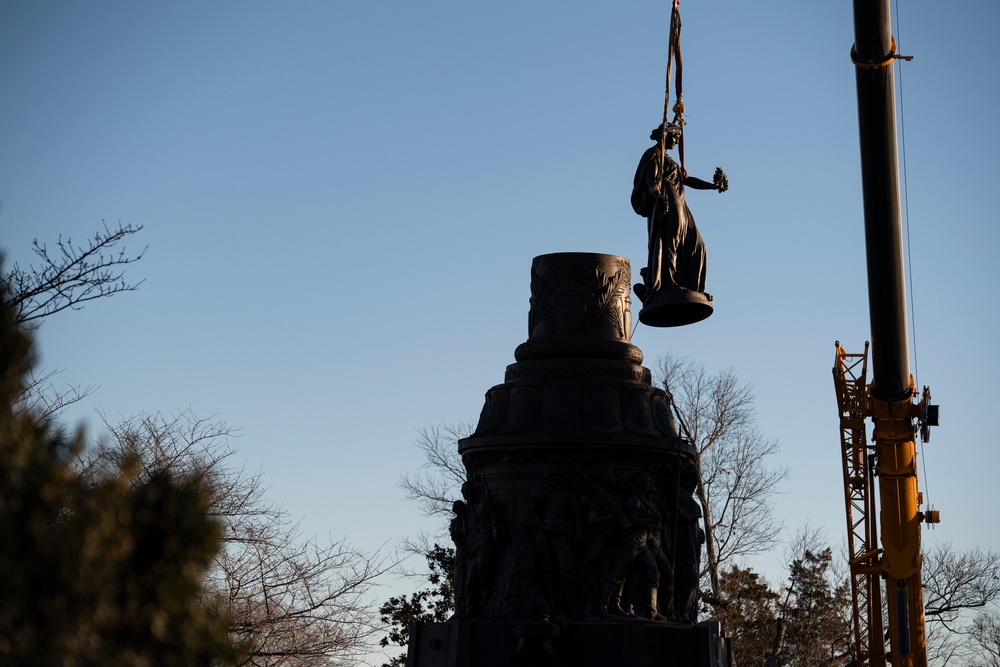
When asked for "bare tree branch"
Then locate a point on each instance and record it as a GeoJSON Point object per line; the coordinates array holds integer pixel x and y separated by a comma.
{"type": "Point", "coordinates": [736, 485]}
{"type": "Point", "coordinates": [958, 581]}
{"type": "Point", "coordinates": [986, 634]}
{"type": "Point", "coordinates": [70, 275]}
{"type": "Point", "coordinates": [439, 482]}
{"type": "Point", "coordinates": [293, 601]}
{"type": "Point", "coordinates": [962, 601]}
{"type": "Point", "coordinates": [41, 398]}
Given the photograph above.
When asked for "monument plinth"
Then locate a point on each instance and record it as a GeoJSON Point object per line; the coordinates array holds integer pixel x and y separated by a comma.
{"type": "Point", "coordinates": [577, 539]}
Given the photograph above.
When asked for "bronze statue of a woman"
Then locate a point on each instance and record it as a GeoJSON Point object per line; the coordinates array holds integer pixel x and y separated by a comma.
{"type": "Point", "coordinates": [673, 292]}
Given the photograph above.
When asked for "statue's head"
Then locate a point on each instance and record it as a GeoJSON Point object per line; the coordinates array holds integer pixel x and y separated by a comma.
{"type": "Point", "coordinates": [672, 131]}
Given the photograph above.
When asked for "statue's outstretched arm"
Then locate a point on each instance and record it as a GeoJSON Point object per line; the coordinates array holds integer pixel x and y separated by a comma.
{"type": "Point", "coordinates": [698, 184]}
{"type": "Point", "coordinates": [719, 182]}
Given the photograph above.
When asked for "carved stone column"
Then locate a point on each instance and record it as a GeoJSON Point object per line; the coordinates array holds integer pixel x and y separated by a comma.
{"type": "Point", "coordinates": [569, 524]}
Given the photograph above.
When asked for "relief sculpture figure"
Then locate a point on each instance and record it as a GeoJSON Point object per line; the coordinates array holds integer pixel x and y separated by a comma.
{"type": "Point", "coordinates": [555, 533]}
{"type": "Point", "coordinates": [481, 535]}
{"type": "Point", "coordinates": [459, 529]}
{"type": "Point", "coordinates": [690, 538]}
{"type": "Point", "coordinates": [635, 558]}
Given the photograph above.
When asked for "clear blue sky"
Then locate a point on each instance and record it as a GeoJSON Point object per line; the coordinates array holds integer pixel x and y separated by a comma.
{"type": "Point", "coordinates": [342, 200]}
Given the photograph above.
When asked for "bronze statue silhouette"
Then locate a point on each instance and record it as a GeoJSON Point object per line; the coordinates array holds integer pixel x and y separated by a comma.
{"type": "Point", "coordinates": [677, 256]}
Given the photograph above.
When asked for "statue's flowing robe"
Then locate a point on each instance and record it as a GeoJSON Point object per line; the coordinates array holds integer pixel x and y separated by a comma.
{"type": "Point", "coordinates": [677, 255]}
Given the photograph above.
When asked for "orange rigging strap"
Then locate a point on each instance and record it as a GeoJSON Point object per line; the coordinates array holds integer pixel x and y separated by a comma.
{"type": "Point", "coordinates": [679, 104]}
{"type": "Point", "coordinates": [674, 51]}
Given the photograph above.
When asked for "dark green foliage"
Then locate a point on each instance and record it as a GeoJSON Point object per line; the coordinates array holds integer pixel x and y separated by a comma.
{"type": "Point", "coordinates": [96, 568]}
{"type": "Point", "coordinates": [434, 604]}
{"type": "Point", "coordinates": [817, 613]}
{"type": "Point", "coordinates": [748, 611]}
{"type": "Point", "coordinates": [804, 624]}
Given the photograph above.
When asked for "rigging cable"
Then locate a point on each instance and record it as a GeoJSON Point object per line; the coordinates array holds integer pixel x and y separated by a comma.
{"type": "Point", "coordinates": [909, 251]}
{"type": "Point", "coordinates": [679, 104]}
{"type": "Point", "coordinates": [674, 50]}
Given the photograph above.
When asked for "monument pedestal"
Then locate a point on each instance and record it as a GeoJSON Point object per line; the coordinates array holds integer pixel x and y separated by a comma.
{"type": "Point", "coordinates": [619, 643]}
{"type": "Point", "coordinates": [577, 539]}
{"type": "Point", "coordinates": [675, 307]}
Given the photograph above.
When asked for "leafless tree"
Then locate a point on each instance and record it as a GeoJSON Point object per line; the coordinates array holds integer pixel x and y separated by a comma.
{"type": "Point", "coordinates": [44, 399]}
{"type": "Point", "coordinates": [955, 581]}
{"type": "Point", "coordinates": [296, 603]}
{"type": "Point", "coordinates": [67, 277]}
{"type": "Point", "coordinates": [70, 275]}
{"type": "Point", "coordinates": [736, 484]}
{"type": "Point", "coordinates": [962, 602]}
{"type": "Point", "coordinates": [292, 602]}
{"type": "Point", "coordinates": [986, 635]}
{"type": "Point", "coordinates": [440, 479]}
{"type": "Point", "coordinates": [438, 483]}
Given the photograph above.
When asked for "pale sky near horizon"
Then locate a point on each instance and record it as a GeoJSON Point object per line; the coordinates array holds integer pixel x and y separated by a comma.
{"type": "Point", "coordinates": [342, 200]}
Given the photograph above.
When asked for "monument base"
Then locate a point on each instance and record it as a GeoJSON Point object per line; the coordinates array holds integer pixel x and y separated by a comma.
{"type": "Point", "coordinates": [579, 498]}
{"type": "Point", "coordinates": [540, 643]}
{"type": "Point", "coordinates": [675, 308]}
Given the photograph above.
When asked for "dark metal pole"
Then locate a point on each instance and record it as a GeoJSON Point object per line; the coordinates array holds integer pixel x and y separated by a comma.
{"type": "Point", "coordinates": [873, 54]}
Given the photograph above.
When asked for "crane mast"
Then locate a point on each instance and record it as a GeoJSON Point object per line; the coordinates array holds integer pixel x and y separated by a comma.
{"type": "Point", "coordinates": [893, 567]}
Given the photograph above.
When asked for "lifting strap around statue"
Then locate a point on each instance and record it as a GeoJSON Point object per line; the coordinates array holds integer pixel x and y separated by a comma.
{"type": "Point", "coordinates": [674, 50]}
{"type": "Point", "coordinates": [678, 305]}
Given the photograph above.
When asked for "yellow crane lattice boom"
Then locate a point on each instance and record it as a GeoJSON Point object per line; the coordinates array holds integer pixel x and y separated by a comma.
{"type": "Point", "coordinates": [850, 373]}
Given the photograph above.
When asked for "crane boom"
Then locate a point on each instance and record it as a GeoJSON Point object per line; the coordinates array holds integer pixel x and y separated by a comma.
{"type": "Point", "coordinates": [889, 399]}
{"type": "Point", "coordinates": [873, 55]}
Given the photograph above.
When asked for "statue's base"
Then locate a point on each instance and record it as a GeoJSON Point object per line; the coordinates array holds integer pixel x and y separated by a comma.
{"type": "Point", "coordinates": [674, 307]}
{"type": "Point", "coordinates": [539, 643]}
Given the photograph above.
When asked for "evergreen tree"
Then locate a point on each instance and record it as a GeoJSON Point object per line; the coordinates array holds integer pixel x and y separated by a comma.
{"type": "Point", "coordinates": [747, 610]}
{"type": "Point", "coordinates": [806, 623]}
{"type": "Point", "coordinates": [96, 569]}
{"type": "Point", "coordinates": [815, 615]}
{"type": "Point", "coordinates": [434, 604]}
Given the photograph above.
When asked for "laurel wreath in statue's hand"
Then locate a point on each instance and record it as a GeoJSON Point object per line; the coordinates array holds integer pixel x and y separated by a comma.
{"type": "Point", "coordinates": [720, 180]}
